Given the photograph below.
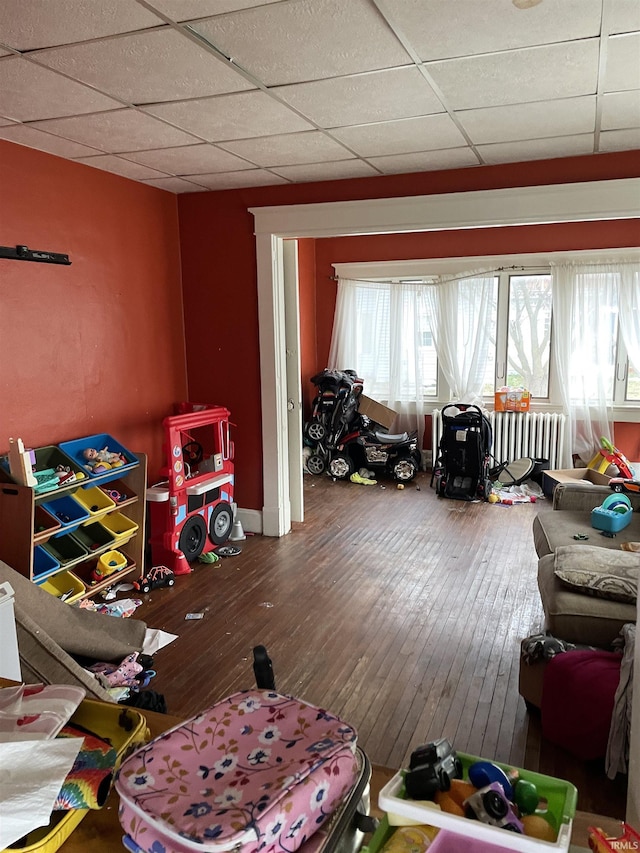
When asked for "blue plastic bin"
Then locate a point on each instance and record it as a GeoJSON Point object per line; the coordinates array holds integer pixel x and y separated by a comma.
{"type": "Point", "coordinates": [75, 450]}
{"type": "Point", "coordinates": [44, 563]}
{"type": "Point", "coordinates": [68, 511]}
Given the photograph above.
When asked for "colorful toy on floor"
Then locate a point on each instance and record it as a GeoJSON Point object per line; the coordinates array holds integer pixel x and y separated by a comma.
{"type": "Point", "coordinates": [191, 509]}
{"type": "Point", "coordinates": [156, 577]}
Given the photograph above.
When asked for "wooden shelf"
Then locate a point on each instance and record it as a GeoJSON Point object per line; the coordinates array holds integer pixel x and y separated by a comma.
{"type": "Point", "coordinates": [17, 514]}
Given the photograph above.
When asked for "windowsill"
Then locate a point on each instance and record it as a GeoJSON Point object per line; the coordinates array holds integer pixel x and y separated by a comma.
{"type": "Point", "coordinates": [622, 413]}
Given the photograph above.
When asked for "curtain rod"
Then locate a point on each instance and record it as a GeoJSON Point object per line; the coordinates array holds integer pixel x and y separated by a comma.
{"type": "Point", "coordinates": [473, 274]}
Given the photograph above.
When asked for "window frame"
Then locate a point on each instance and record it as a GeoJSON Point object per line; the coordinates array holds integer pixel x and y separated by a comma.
{"type": "Point", "coordinates": [506, 265]}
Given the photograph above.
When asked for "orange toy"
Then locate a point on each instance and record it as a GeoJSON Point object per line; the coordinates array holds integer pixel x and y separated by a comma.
{"type": "Point", "coordinates": [601, 843]}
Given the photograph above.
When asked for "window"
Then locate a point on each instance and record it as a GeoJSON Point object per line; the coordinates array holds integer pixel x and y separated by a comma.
{"type": "Point", "coordinates": [529, 333]}
{"type": "Point", "coordinates": [394, 328]}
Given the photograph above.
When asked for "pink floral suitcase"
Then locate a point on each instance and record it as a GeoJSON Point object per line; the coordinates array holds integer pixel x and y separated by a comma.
{"type": "Point", "coordinates": [258, 771]}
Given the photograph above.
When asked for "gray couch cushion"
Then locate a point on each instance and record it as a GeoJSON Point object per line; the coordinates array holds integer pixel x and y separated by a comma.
{"type": "Point", "coordinates": [576, 617]}
{"type": "Point", "coordinates": [553, 528]}
{"type": "Point", "coordinates": [599, 571]}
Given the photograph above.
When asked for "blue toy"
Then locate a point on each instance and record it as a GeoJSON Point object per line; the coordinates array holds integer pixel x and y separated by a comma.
{"type": "Point", "coordinates": [613, 515]}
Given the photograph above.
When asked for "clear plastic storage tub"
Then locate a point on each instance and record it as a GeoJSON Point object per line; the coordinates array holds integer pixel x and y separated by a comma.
{"type": "Point", "coordinates": [561, 798]}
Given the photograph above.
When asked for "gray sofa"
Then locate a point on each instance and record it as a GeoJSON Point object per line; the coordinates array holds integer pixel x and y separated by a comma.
{"type": "Point", "coordinates": [573, 614]}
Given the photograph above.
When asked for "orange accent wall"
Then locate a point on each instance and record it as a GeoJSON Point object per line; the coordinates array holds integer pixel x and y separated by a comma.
{"type": "Point", "coordinates": [97, 346]}
{"type": "Point", "coordinates": [219, 271]}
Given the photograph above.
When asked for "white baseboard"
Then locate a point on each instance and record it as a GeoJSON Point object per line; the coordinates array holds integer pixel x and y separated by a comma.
{"type": "Point", "coordinates": [251, 520]}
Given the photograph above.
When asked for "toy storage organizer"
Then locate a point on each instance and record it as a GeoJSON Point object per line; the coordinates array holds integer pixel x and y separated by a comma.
{"type": "Point", "coordinates": [561, 798]}
{"type": "Point", "coordinates": [58, 536]}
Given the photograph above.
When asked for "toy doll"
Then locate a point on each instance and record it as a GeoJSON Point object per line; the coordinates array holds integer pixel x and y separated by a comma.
{"type": "Point", "coordinates": [104, 459]}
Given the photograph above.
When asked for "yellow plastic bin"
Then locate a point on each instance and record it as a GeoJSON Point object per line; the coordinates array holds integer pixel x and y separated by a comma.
{"type": "Point", "coordinates": [96, 502]}
{"type": "Point", "coordinates": [121, 527]}
{"type": "Point", "coordinates": [64, 585]}
{"type": "Point", "coordinates": [125, 729]}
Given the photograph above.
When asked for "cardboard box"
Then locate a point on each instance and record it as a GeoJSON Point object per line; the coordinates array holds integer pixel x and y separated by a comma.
{"type": "Point", "coordinates": [512, 400]}
{"type": "Point", "coordinates": [382, 415]}
{"type": "Point", "coordinates": [550, 479]}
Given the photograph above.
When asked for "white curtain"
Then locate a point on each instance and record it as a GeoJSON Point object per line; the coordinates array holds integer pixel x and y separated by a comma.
{"type": "Point", "coordinates": [377, 331]}
{"type": "Point", "coordinates": [585, 303]}
{"type": "Point", "coordinates": [465, 322]}
{"type": "Point", "coordinates": [630, 311]}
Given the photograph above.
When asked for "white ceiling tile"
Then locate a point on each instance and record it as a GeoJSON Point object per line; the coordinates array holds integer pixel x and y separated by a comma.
{"type": "Point", "coordinates": [376, 96]}
{"type": "Point", "coordinates": [530, 121]}
{"type": "Point", "coordinates": [537, 149]}
{"type": "Point", "coordinates": [29, 92]}
{"type": "Point", "coordinates": [238, 116]}
{"type": "Point", "coordinates": [190, 160]}
{"type": "Point", "coordinates": [4, 121]}
{"type": "Point", "coordinates": [110, 163]}
{"type": "Point", "coordinates": [621, 109]}
{"type": "Point", "coordinates": [624, 16]}
{"type": "Point", "coordinates": [519, 76]}
{"type": "Point", "coordinates": [289, 149]}
{"type": "Point", "coordinates": [24, 134]}
{"type": "Point", "coordinates": [5, 52]}
{"type": "Point", "coordinates": [620, 140]}
{"type": "Point", "coordinates": [438, 29]}
{"type": "Point", "coordinates": [335, 171]}
{"type": "Point", "coordinates": [306, 40]}
{"type": "Point", "coordinates": [175, 185]}
{"type": "Point", "coordinates": [188, 10]}
{"type": "Point", "coordinates": [425, 161]}
{"type": "Point", "coordinates": [623, 63]}
{"type": "Point", "coordinates": [427, 133]}
{"type": "Point", "coordinates": [162, 65]}
{"type": "Point", "coordinates": [28, 24]}
{"type": "Point", "coordinates": [114, 132]}
{"type": "Point", "coordinates": [236, 180]}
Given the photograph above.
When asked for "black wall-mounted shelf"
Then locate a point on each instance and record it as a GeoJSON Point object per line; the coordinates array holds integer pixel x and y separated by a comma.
{"type": "Point", "coordinates": [23, 253]}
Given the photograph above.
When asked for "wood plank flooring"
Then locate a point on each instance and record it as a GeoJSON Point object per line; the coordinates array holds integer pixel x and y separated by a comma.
{"type": "Point", "coordinates": [399, 611]}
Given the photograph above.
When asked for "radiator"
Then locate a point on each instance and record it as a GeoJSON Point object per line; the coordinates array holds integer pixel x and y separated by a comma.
{"type": "Point", "coordinates": [539, 435]}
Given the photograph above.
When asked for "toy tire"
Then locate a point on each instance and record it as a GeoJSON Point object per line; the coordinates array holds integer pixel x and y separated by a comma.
{"type": "Point", "coordinates": [220, 523]}
{"type": "Point", "coordinates": [405, 469]}
{"type": "Point", "coordinates": [193, 537]}
{"type": "Point", "coordinates": [316, 464]}
{"type": "Point", "coordinates": [341, 466]}
{"type": "Point", "coordinates": [171, 582]}
{"type": "Point", "coordinates": [494, 805]}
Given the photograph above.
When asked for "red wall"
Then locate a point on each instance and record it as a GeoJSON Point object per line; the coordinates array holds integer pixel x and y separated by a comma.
{"type": "Point", "coordinates": [98, 346]}
{"type": "Point", "coordinates": [219, 271]}
{"type": "Point", "coordinates": [308, 320]}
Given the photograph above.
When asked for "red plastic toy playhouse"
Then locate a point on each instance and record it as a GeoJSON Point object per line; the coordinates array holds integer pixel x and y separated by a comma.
{"type": "Point", "coordinates": [191, 512]}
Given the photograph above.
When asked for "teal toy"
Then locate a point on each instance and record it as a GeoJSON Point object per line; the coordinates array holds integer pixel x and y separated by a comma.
{"type": "Point", "coordinates": [613, 515]}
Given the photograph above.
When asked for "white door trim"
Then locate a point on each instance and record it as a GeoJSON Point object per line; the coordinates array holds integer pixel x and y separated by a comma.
{"type": "Point", "coordinates": [577, 202]}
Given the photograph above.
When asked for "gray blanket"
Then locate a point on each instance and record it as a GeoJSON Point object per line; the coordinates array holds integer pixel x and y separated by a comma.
{"type": "Point", "coordinates": [77, 631]}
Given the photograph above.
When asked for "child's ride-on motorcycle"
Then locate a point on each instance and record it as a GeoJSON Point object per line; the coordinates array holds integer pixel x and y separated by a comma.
{"type": "Point", "coordinates": [397, 455]}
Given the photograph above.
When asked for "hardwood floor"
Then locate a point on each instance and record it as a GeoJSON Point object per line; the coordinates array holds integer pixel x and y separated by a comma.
{"type": "Point", "coordinates": [399, 611]}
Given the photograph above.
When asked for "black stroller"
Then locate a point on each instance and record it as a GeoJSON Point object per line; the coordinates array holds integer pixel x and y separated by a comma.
{"type": "Point", "coordinates": [462, 469]}
{"type": "Point", "coordinates": [335, 412]}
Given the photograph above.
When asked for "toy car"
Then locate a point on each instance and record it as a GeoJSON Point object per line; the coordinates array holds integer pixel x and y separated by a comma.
{"type": "Point", "coordinates": [431, 769]}
{"type": "Point", "coordinates": [601, 842]}
{"type": "Point", "coordinates": [156, 577]}
{"type": "Point", "coordinates": [622, 484]}
{"type": "Point", "coordinates": [490, 805]}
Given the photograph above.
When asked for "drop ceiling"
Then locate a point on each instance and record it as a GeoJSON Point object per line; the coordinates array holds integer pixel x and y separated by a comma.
{"type": "Point", "coordinates": [192, 95]}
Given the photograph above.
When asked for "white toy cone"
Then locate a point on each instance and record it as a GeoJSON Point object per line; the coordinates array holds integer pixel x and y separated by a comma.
{"type": "Point", "coordinates": [237, 533]}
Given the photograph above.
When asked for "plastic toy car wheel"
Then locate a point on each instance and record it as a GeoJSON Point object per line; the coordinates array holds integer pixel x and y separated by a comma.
{"type": "Point", "coordinates": [316, 464]}
{"type": "Point", "coordinates": [405, 469]}
{"type": "Point", "coordinates": [193, 537]}
{"type": "Point", "coordinates": [494, 805]}
{"type": "Point", "coordinates": [316, 430]}
{"type": "Point", "coordinates": [220, 523]}
{"type": "Point", "coordinates": [340, 466]}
